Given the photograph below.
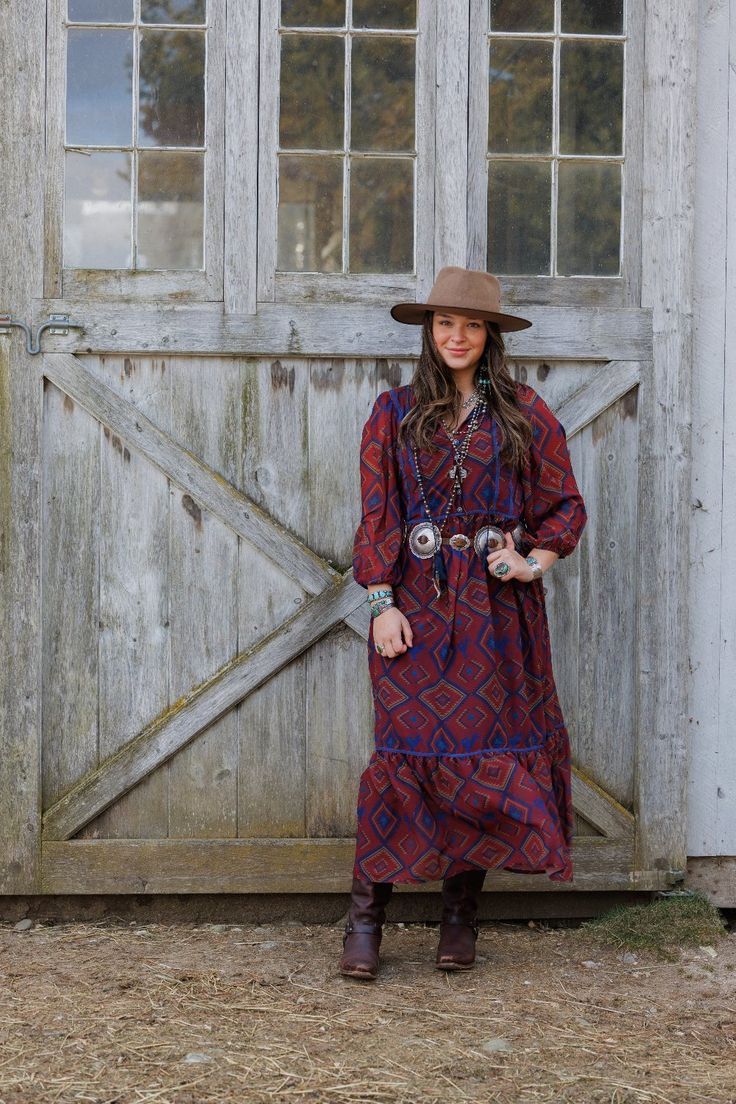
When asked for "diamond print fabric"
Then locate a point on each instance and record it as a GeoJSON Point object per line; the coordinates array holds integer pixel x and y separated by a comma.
{"type": "Point", "coordinates": [472, 760]}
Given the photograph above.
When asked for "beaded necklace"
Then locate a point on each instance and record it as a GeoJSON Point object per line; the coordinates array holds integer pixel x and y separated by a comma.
{"type": "Point", "coordinates": [457, 474]}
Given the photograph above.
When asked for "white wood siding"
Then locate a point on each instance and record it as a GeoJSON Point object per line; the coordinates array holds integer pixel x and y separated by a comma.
{"type": "Point", "coordinates": [712, 777]}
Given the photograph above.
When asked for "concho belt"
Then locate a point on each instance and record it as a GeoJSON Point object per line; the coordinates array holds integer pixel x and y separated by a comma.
{"type": "Point", "coordinates": [425, 539]}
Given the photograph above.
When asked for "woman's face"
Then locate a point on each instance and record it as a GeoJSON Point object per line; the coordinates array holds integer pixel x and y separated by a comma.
{"type": "Point", "coordinates": [460, 341]}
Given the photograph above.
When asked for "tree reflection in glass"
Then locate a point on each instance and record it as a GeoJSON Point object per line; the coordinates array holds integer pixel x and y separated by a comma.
{"type": "Point", "coordinates": [589, 218]}
{"type": "Point", "coordinates": [310, 214]}
{"type": "Point", "coordinates": [522, 15]}
{"type": "Point", "coordinates": [519, 208]}
{"type": "Point", "coordinates": [381, 215]}
{"type": "Point", "coordinates": [173, 11]}
{"type": "Point", "coordinates": [312, 13]}
{"type": "Point", "coordinates": [591, 97]}
{"type": "Point", "coordinates": [382, 96]}
{"type": "Point", "coordinates": [171, 97]}
{"type": "Point", "coordinates": [520, 97]}
{"type": "Point", "coordinates": [592, 16]}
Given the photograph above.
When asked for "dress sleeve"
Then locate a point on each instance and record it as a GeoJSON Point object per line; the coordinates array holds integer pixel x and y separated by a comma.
{"type": "Point", "coordinates": [377, 545]}
{"type": "Point", "coordinates": [554, 511]}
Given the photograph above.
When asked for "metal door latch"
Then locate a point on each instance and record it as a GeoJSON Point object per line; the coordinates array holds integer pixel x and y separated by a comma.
{"type": "Point", "coordinates": [55, 324]}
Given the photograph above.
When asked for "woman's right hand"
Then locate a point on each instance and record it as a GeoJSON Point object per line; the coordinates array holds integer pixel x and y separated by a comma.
{"type": "Point", "coordinates": [392, 633]}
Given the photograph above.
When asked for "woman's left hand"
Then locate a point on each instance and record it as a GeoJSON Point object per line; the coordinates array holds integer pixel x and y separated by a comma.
{"type": "Point", "coordinates": [518, 567]}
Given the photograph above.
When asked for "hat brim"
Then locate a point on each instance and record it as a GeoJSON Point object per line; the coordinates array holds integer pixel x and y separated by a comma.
{"type": "Point", "coordinates": [412, 314]}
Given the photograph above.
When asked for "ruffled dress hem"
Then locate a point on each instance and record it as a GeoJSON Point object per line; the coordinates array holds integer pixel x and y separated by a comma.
{"type": "Point", "coordinates": [423, 817]}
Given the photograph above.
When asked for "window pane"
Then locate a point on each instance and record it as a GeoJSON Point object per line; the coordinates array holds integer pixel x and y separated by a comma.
{"type": "Point", "coordinates": [99, 88]}
{"type": "Point", "coordinates": [310, 214]}
{"type": "Point", "coordinates": [520, 97]}
{"type": "Point", "coordinates": [589, 219]}
{"type": "Point", "coordinates": [312, 13]}
{"type": "Point", "coordinates": [170, 210]}
{"type": "Point", "coordinates": [97, 210]}
{"type": "Point", "coordinates": [101, 11]}
{"type": "Point", "coordinates": [173, 11]}
{"type": "Point", "coordinates": [519, 205]}
{"type": "Point", "coordinates": [522, 15]}
{"type": "Point", "coordinates": [381, 215]}
{"type": "Point", "coordinates": [592, 16]}
{"type": "Point", "coordinates": [591, 97]}
{"type": "Point", "coordinates": [312, 91]}
{"type": "Point", "coordinates": [171, 89]}
{"type": "Point", "coordinates": [398, 15]}
{"type": "Point", "coordinates": [383, 94]}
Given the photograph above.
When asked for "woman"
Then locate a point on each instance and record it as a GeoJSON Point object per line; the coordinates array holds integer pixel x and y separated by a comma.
{"type": "Point", "coordinates": [468, 498]}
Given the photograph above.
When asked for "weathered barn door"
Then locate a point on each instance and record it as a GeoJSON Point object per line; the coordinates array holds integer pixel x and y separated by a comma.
{"type": "Point", "coordinates": [223, 199]}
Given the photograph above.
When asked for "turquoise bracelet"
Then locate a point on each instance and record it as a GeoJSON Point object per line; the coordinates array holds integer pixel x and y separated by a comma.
{"type": "Point", "coordinates": [380, 594]}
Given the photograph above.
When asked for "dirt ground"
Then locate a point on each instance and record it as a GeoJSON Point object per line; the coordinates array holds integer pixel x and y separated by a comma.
{"type": "Point", "coordinates": [117, 1013]}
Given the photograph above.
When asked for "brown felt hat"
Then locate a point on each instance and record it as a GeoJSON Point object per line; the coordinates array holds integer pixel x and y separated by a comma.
{"type": "Point", "coordinates": [462, 291]}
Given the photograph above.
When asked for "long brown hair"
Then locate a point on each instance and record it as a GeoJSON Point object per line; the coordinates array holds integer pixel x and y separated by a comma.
{"type": "Point", "coordinates": [438, 398]}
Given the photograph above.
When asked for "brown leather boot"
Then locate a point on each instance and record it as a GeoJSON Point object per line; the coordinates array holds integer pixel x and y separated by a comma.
{"type": "Point", "coordinates": [363, 930]}
{"type": "Point", "coordinates": [458, 928]}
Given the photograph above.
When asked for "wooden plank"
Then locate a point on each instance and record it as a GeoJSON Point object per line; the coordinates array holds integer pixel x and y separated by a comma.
{"type": "Point", "coordinates": [631, 222]}
{"type": "Point", "coordinates": [601, 389]}
{"type": "Point", "coordinates": [339, 699]}
{"type": "Point", "coordinates": [203, 606]}
{"type": "Point", "coordinates": [727, 751]}
{"type": "Point", "coordinates": [186, 718]}
{"type": "Point", "coordinates": [205, 486]}
{"type": "Point", "coordinates": [134, 633]}
{"type": "Point", "coordinates": [600, 809]}
{"type": "Point", "coordinates": [715, 877]}
{"type": "Point", "coordinates": [477, 191]}
{"type": "Point", "coordinates": [70, 585]}
{"type": "Point", "coordinates": [426, 106]}
{"type": "Point", "coordinates": [55, 125]}
{"type": "Point", "coordinates": [21, 264]}
{"type": "Point", "coordinates": [665, 409]}
{"type": "Point", "coordinates": [241, 156]}
{"type": "Point", "coordinates": [268, 140]}
{"type": "Point", "coordinates": [451, 135]}
{"type": "Point", "coordinates": [568, 332]}
{"type": "Point", "coordinates": [715, 197]}
{"type": "Point", "coordinates": [273, 471]}
{"type": "Point", "coordinates": [290, 866]}
{"type": "Point", "coordinates": [606, 728]}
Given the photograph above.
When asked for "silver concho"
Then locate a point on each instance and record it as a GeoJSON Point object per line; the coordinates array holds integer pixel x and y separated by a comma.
{"type": "Point", "coordinates": [424, 540]}
{"type": "Point", "coordinates": [488, 539]}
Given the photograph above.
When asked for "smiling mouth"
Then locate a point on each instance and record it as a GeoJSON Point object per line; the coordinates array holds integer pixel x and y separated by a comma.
{"type": "Point", "coordinates": [459, 352]}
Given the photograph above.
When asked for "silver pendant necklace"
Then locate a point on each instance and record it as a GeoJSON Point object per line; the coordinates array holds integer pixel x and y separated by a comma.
{"type": "Point", "coordinates": [458, 472]}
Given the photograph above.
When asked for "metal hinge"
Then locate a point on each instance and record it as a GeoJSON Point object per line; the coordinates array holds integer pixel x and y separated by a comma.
{"type": "Point", "coordinates": [55, 324]}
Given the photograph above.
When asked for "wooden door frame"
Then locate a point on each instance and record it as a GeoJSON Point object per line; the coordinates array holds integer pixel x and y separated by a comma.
{"type": "Point", "coordinates": [667, 292]}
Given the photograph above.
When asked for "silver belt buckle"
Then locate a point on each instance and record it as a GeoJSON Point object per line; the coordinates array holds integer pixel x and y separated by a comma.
{"type": "Point", "coordinates": [459, 542]}
{"type": "Point", "coordinates": [424, 540]}
{"type": "Point", "coordinates": [488, 539]}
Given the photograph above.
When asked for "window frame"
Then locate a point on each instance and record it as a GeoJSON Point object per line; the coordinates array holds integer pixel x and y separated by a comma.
{"type": "Point", "coordinates": [364, 288]}
{"type": "Point", "coordinates": [621, 290]}
{"type": "Point", "coordinates": [199, 285]}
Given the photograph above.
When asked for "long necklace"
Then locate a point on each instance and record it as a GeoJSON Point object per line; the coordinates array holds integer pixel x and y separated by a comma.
{"type": "Point", "coordinates": [457, 474]}
{"type": "Point", "coordinates": [460, 450]}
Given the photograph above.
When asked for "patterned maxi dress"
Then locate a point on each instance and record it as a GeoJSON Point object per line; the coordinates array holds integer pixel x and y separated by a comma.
{"type": "Point", "coordinates": [471, 766]}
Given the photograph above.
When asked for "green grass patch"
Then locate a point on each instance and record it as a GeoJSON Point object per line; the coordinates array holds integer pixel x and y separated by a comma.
{"type": "Point", "coordinates": [682, 920]}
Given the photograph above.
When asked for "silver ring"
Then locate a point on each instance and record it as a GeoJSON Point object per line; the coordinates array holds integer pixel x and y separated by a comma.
{"type": "Point", "coordinates": [501, 569]}
{"type": "Point", "coordinates": [379, 649]}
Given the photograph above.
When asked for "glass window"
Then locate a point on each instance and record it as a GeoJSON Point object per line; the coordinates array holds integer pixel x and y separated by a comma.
{"type": "Point", "coordinates": [135, 135]}
{"type": "Point", "coordinates": [347, 143]}
{"type": "Point", "coordinates": [555, 137]}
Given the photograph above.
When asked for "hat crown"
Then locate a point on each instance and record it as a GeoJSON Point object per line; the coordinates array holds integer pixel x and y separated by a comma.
{"type": "Point", "coordinates": [465, 289]}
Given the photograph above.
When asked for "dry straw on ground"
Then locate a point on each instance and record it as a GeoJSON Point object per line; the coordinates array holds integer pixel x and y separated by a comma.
{"type": "Point", "coordinates": [113, 1013]}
